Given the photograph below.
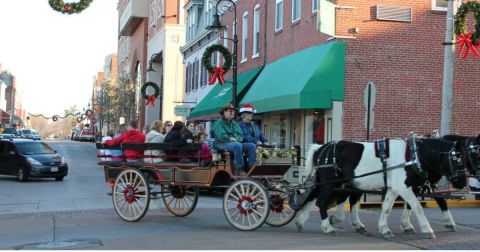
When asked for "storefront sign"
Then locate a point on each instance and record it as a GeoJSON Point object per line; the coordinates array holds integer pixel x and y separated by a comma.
{"type": "Point", "coordinates": [183, 110]}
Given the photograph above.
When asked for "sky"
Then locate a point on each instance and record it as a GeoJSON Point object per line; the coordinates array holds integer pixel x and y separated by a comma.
{"type": "Point", "coordinates": [55, 56]}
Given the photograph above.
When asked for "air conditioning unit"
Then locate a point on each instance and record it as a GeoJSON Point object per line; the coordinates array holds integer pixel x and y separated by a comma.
{"type": "Point", "coordinates": [390, 13]}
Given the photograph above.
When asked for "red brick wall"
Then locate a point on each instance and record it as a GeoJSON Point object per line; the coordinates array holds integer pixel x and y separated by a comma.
{"type": "Point", "coordinates": [404, 60]}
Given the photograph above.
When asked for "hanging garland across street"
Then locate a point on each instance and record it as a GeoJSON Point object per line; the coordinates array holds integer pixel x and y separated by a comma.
{"type": "Point", "coordinates": [468, 41]}
{"type": "Point", "coordinates": [217, 72]}
{"type": "Point", "coordinates": [69, 8]}
{"type": "Point", "coordinates": [150, 98]}
{"type": "Point", "coordinates": [58, 117]}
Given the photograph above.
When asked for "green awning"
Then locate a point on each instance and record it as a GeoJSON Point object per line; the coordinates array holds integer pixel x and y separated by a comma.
{"type": "Point", "coordinates": [220, 95]}
{"type": "Point", "coordinates": [308, 79]}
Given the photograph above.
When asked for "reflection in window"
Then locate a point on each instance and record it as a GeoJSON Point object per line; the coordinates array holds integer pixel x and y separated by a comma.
{"type": "Point", "coordinates": [279, 130]}
{"type": "Point", "coordinates": [318, 127]}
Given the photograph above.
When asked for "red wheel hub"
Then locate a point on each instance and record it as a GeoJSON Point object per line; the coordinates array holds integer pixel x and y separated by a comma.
{"type": "Point", "coordinates": [277, 203]}
{"type": "Point", "coordinates": [129, 194]}
{"type": "Point", "coordinates": [245, 205]}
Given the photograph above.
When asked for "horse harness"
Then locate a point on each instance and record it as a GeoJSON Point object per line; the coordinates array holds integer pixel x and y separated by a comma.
{"type": "Point", "coordinates": [472, 150]}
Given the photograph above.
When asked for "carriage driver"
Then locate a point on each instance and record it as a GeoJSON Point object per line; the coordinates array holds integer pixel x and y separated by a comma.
{"type": "Point", "coordinates": [228, 136]}
{"type": "Point", "coordinates": [251, 131]}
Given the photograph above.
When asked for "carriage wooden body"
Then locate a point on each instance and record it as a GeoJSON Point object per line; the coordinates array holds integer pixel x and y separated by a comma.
{"type": "Point", "coordinates": [261, 196]}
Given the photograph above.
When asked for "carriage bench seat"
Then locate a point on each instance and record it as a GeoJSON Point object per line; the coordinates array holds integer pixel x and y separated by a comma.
{"type": "Point", "coordinates": [146, 164]}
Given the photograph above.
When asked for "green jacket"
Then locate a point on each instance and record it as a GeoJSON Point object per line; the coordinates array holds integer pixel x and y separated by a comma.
{"type": "Point", "coordinates": [224, 130]}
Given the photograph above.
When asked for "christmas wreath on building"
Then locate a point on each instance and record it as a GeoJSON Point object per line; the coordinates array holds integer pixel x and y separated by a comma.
{"type": "Point", "coordinates": [69, 8]}
{"type": "Point", "coordinates": [468, 41]}
{"type": "Point", "coordinates": [217, 72]}
{"type": "Point", "coordinates": [150, 98]}
{"type": "Point", "coordinates": [54, 118]}
{"type": "Point", "coordinates": [88, 112]}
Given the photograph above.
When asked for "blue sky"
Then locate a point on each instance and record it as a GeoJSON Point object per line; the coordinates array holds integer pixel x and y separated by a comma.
{"type": "Point", "coordinates": [55, 56]}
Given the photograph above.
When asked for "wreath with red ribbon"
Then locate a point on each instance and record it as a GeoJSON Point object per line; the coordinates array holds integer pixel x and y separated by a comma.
{"type": "Point", "coordinates": [150, 98]}
{"type": "Point", "coordinates": [69, 8]}
{"type": "Point", "coordinates": [54, 118]}
{"type": "Point", "coordinates": [217, 72]}
{"type": "Point", "coordinates": [467, 41]}
{"type": "Point", "coordinates": [88, 112]}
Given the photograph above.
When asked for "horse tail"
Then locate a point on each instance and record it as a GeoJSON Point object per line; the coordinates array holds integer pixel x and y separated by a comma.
{"type": "Point", "coordinates": [309, 162]}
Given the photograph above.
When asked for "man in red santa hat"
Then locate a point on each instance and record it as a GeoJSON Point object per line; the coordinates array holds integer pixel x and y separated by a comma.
{"type": "Point", "coordinates": [251, 131]}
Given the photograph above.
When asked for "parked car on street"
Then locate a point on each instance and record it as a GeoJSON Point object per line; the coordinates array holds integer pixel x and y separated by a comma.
{"type": "Point", "coordinates": [28, 133]}
{"type": "Point", "coordinates": [13, 131]}
{"type": "Point", "coordinates": [7, 136]}
{"type": "Point", "coordinates": [26, 158]}
{"type": "Point", "coordinates": [86, 135]}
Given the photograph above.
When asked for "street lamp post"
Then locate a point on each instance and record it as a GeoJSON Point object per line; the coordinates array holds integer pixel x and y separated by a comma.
{"type": "Point", "coordinates": [217, 27]}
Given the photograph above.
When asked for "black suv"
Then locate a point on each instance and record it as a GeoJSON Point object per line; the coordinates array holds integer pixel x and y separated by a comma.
{"type": "Point", "coordinates": [28, 158]}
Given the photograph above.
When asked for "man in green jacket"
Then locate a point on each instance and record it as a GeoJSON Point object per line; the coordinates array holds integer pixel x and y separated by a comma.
{"type": "Point", "coordinates": [229, 136]}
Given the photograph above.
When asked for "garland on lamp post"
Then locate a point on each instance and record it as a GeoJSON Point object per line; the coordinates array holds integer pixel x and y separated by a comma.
{"type": "Point", "coordinates": [468, 41]}
{"type": "Point", "coordinates": [69, 8]}
{"type": "Point", "coordinates": [217, 72]}
{"type": "Point", "coordinates": [150, 98]}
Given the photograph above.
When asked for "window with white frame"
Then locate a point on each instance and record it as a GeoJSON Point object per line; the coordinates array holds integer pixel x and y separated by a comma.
{"type": "Point", "coordinates": [208, 13]}
{"type": "Point", "coordinates": [244, 36]}
{"type": "Point", "coordinates": [278, 15]}
{"type": "Point", "coordinates": [442, 5]}
{"type": "Point", "coordinates": [296, 8]}
{"type": "Point", "coordinates": [314, 5]}
{"type": "Point", "coordinates": [225, 36]}
{"type": "Point", "coordinates": [256, 30]}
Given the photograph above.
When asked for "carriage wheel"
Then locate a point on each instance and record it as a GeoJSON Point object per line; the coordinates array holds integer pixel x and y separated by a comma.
{"type": "Point", "coordinates": [131, 195]}
{"type": "Point", "coordinates": [180, 200]}
{"type": "Point", "coordinates": [280, 211]}
{"type": "Point", "coordinates": [246, 204]}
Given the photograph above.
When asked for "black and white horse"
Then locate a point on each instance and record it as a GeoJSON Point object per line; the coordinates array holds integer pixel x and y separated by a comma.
{"type": "Point", "coordinates": [470, 155]}
{"type": "Point", "coordinates": [358, 158]}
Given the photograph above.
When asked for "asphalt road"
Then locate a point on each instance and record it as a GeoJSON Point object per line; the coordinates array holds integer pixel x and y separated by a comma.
{"type": "Point", "coordinates": [77, 214]}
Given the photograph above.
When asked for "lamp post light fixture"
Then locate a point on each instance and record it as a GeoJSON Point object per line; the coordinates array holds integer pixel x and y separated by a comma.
{"type": "Point", "coordinates": [156, 57]}
{"type": "Point", "coordinates": [217, 27]}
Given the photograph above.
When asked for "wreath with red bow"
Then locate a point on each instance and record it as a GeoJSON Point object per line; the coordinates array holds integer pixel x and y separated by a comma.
{"type": "Point", "coordinates": [69, 8]}
{"type": "Point", "coordinates": [467, 41]}
{"type": "Point", "coordinates": [150, 98]}
{"type": "Point", "coordinates": [217, 72]}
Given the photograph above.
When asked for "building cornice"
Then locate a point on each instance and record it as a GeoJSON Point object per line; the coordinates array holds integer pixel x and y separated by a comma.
{"type": "Point", "coordinates": [195, 39]}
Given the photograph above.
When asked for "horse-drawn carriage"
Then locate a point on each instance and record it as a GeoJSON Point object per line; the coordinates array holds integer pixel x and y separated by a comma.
{"type": "Point", "coordinates": [248, 202]}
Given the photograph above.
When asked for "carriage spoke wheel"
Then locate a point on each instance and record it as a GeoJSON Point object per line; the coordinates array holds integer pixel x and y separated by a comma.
{"type": "Point", "coordinates": [131, 195]}
{"type": "Point", "coordinates": [280, 211]}
{"type": "Point", "coordinates": [246, 204]}
{"type": "Point", "coordinates": [180, 200]}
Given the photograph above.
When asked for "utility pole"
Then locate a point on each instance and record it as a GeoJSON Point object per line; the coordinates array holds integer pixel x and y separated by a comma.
{"type": "Point", "coordinates": [446, 120]}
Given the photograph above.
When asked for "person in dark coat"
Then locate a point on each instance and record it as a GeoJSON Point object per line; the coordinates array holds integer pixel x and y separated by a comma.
{"type": "Point", "coordinates": [179, 136]}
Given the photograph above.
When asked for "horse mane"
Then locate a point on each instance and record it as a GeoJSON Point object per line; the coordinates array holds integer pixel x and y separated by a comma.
{"type": "Point", "coordinates": [309, 161]}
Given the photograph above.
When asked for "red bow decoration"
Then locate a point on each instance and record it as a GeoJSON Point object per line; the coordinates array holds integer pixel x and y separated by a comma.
{"type": "Point", "coordinates": [466, 41]}
{"type": "Point", "coordinates": [151, 99]}
{"type": "Point", "coordinates": [66, 8]}
{"type": "Point", "coordinates": [217, 74]}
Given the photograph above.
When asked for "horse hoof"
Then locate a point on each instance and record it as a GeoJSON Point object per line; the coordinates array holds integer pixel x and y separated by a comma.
{"type": "Point", "coordinates": [388, 234]}
{"type": "Point", "coordinates": [409, 231]}
{"type": "Point", "coordinates": [450, 228]}
{"type": "Point", "coordinates": [429, 235]}
{"type": "Point", "coordinates": [299, 227]}
{"type": "Point", "coordinates": [361, 230]}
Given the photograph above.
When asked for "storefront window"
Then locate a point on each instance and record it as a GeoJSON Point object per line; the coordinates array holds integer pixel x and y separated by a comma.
{"type": "Point", "coordinates": [279, 130]}
{"type": "Point", "coordinates": [297, 128]}
{"type": "Point", "coordinates": [318, 127]}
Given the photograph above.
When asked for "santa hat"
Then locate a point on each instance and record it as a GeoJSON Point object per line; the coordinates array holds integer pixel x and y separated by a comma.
{"type": "Point", "coordinates": [247, 107]}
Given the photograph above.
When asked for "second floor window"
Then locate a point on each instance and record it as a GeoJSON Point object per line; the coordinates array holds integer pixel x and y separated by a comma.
{"type": "Point", "coordinates": [244, 36]}
{"type": "Point", "coordinates": [314, 5]}
{"type": "Point", "coordinates": [256, 30]}
{"type": "Point", "coordinates": [187, 79]}
{"type": "Point", "coordinates": [278, 15]}
{"type": "Point", "coordinates": [296, 6]}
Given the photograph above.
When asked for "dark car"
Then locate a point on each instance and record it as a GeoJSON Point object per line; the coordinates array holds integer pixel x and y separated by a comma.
{"type": "Point", "coordinates": [28, 158]}
{"type": "Point", "coordinates": [12, 131]}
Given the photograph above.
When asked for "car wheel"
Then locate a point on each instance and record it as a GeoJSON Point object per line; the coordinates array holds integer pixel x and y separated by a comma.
{"type": "Point", "coordinates": [59, 178]}
{"type": "Point", "coordinates": [22, 175]}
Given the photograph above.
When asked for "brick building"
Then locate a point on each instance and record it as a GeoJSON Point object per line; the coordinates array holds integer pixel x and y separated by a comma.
{"type": "Point", "coordinates": [311, 88]}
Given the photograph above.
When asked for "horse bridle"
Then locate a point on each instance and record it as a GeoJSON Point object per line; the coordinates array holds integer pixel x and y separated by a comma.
{"type": "Point", "coordinates": [473, 150]}
{"type": "Point", "coordinates": [454, 159]}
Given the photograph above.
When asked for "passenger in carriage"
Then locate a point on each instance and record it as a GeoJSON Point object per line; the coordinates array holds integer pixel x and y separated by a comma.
{"type": "Point", "coordinates": [228, 136]}
{"type": "Point", "coordinates": [179, 136]}
{"type": "Point", "coordinates": [251, 131]}
{"type": "Point", "coordinates": [133, 135]}
{"type": "Point", "coordinates": [167, 126]}
{"type": "Point", "coordinates": [154, 136]}
{"type": "Point", "coordinates": [206, 153]}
